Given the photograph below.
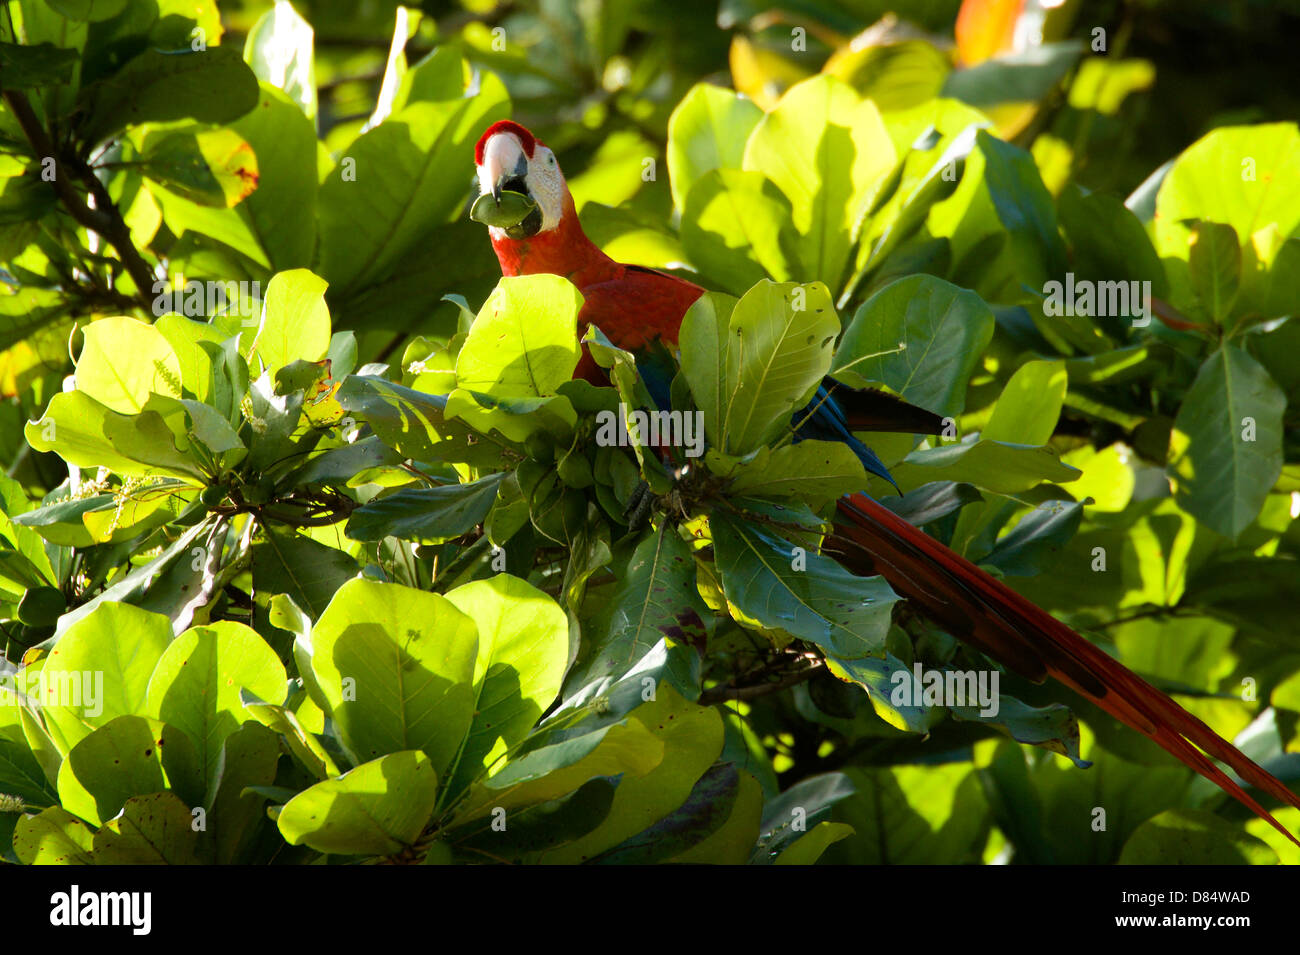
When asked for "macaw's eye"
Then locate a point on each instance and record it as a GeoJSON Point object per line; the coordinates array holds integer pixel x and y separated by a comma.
{"type": "Point", "coordinates": [550, 160]}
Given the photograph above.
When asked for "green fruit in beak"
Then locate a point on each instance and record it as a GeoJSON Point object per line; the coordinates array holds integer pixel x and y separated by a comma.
{"type": "Point", "coordinates": [506, 213]}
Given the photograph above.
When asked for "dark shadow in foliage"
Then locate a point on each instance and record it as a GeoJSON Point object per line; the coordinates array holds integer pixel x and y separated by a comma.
{"type": "Point", "coordinates": [544, 826]}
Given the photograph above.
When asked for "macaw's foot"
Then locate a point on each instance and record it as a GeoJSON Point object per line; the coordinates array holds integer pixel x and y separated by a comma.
{"type": "Point", "coordinates": [639, 507]}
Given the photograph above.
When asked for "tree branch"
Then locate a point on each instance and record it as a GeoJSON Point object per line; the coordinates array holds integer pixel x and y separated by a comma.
{"type": "Point", "coordinates": [719, 694]}
{"type": "Point", "coordinates": [103, 218]}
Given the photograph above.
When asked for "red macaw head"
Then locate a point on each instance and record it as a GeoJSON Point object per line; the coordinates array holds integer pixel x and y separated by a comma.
{"type": "Point", "coordinates": [509, 159]}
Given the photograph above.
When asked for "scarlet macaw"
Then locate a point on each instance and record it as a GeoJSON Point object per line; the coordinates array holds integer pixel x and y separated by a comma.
{"type": "Point", "coordinates": [641, 309]}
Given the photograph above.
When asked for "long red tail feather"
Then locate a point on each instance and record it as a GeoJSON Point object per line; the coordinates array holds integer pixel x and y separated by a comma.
{"type": "Point", "coordinates": [998, 621]}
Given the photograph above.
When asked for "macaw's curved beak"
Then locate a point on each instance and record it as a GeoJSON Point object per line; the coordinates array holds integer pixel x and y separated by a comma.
{"type": "Point", "coordinates": [504, 167]}
{"type": "Point", "coordinates": [505, 201]}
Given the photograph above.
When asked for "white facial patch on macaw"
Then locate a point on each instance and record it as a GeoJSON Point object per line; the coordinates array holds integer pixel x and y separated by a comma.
{"type": "Point", "coordinates": [546, 184]}
{"type": "Point", "coordinates": [502, 154]}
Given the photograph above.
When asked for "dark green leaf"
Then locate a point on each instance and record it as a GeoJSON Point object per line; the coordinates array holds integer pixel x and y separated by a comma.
{"type": "Point", "coordinates": [427, 514]}
{"type": "Point", "coordinates": [212, 86]}
{"type": "Point", "coordinates": [920, 336]}
{"type": "Point", "coordinates": [1226, 449]}
{"type": "Point", "coordinates": [308, 571]}
{"type": "Point", "coordinates": [39, 65]}
{"type": "Point", "coordinates": [1214, 264]}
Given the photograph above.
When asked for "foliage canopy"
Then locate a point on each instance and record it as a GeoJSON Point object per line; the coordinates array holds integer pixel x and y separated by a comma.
{"type": "Point", "coordinates": [344, 570]}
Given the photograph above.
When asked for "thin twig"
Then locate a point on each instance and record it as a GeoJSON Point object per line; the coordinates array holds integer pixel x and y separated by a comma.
{"type": "Point", "coordinates": [103, 218]}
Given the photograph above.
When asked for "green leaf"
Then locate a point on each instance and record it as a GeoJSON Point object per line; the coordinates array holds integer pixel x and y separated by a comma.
{"type": "Point", "coordinates": [625, 233]}
{"type": "Point", "coordinates": [1246, 177]}
{"type": "Point", "coordinates": [20, 772]}
{"type": "Point", "coordinates": [128, 756]}
{"type": "Point", "coordinates": [1226, 448]}
{"type": "Point", "coordinates": [416, 426]}
{"type": "Point", "coordinates": [27, 66]}
{"type": "Point", "coordinates": [524, 342]}
{"type": "Point", "coordinates": [550, 771]}
{"type": "Point", "coordinates": [806, 595]}
{"type": "Point", "coordinates": [1275, 293]}
{"type": "Point", "coordinates": [53, 837]}
{"type": "Point", "coordinates": [1214, 264]}
{"type": "Point", "coordinates": [737, 229]}
{"type": "Point", "coordinates": [310, 572]}
{"type": "Point", "coordinates": [808, 848]}
{"type": "Point", "coordinates": [1001, 222]}
{"type": "Point", "coordinates": [185, 336]}
{"type": "Point", "coordinates": [166, 584]}
{"type": "Point", "coordinates": [281, 212]}
{"type": "Point", "coordinates": [29, 565]}
{"type": "Point", "coordinates": [430, 515]}
{"type": "Point", "coordinates": [86, 433]}
{"type": "Point", "coordinates": [1108, 241]}
{"type": "Point", "coordinates": [881, 678]}
{"type": "Point", "coordinates": [656, 600]}
{"type": "Point", "coordinates": [732, 842]}
{"type": "Point", "coordinates": [92, 10]}
{"type": "Point", "coordinates": [991, 465]}
{"type": "Point", "coordinates": [338, 465]}
{"type": "Point", "coordinates": [124, 361]}
{"type": "Point", "coordinates": [944, 330]}
{"type": "Point", "coordinates": [101, 670]}
{"type": "Point", "coordinates": [787, 817]}
{"type": "Point", "coordinates": [1193, 837]}
{"type": "Point", "coordinates": [1023, 76]}
{"type": "Point", "coordinates": [828, 151]}
{"type": "Point", "coordinates": [894, 75]}
{"type": "Point", "coordinates": [534, 829]}
{"type": "Point", "coordinates": [515, 419]}
{"type": "Point", "coordinates": [707, 131]}
{"type": "Point", "coordinates": [1027, 410]}
{"type": "Point", "coordinates": [751, 373]}
{"type": "Point", "coordinates": [442, 75]}
{"type": "Point", "coordinates": [522, 653]}
{"type": "Point", "coordinates": [408, 659]}
{"type": "Point", "coordinates": [295, 321]}
{"type": "Point", "coordinates": [195, 686]}
{"type": "Point", "coordinates": [931, 502]}
{"type": "Point", "coordinates": [706, 809]}
{"type": "Point", "coordinates": [212, 86]}
{"type": "Point", "coordinates": [691, 737]}
{"type": "Point", "coordinates": [302, 744]}
{"type": "Point", "coordinates": [201, 227]}
{"type": "Point", "coordinates": [238, 816]}
{"type": "Point", "coordinates": [398, 180]}
{"type": "Point", "coordinates": [912, 815]}
{"type": "Point", "coordinates": [602, 752]}
{"type": "Point", "coordinates": [1053, 727]}
{"type": "Point", "coordinates": [1036, 539]}
{"type": "Point", "coordinates": [1251, 592]}
{"type": "Point", "coordinates": [154, 829]}
{"type": "Point", "coordinates": [812, 471]}
{"type": "Point", "coordinates": [279, 50]}
{"type": "Point", "coordinates": [924, 177]}
{"type": "Point", "coordinates": [1130, 792]}
{"type": "Point", "coordinates": [212, 167]}
{"type": "Point", "coordinates": [376, 809]}
{"type": "Point", "coordinates": [212, 430]}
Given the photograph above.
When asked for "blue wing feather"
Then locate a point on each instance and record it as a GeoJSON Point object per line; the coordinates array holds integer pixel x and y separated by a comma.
{"type": "Point", "coordinates": [826, 422]}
